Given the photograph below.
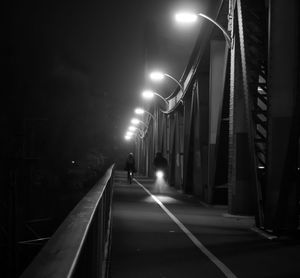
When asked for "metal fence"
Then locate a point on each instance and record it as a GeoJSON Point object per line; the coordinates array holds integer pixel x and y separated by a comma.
{"type": "Point", "coordinates": [80, 246]}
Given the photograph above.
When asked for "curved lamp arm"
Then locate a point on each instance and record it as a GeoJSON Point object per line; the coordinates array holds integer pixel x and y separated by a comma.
{"type": "Point", "coordinates": [141, 111]}
{"type": "Point", "coordinates": [144, 124]}
{"type": "Point", "coordinates": [138, 135]}
{"type": "Point", "coordinates": [174, 79]}
{"type": "Point", "coordinates": [165, 101]}
{"type": "Point", "coordinates": [225, 33]}
{"type": "Point", "coordinates": [135, 128]}
{"type": "Point", "coordinates": [141, 132]}
{"type": "Point", "coordinates": [136, 122]}
{"type": "Point", "coordinates": [150, 114]}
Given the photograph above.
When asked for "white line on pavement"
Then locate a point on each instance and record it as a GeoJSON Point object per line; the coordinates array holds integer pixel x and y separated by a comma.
{"type": "Point", "coordinates": [227, 272]}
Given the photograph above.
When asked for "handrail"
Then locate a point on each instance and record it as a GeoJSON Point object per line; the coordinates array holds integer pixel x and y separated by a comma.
{"type": "Point", "coordinates": [80, 245]}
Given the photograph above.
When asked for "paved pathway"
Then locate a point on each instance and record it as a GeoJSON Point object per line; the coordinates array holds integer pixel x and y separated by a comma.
{"type": "Point", "coordinates": [159, 232]}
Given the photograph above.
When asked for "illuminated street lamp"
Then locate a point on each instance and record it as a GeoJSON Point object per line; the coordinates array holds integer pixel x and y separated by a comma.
{"type": "Point", "coordinates": [134, 128]}
{"type": "Point", "coordinates": [148, 94]}
{"type": "Point", "coordinates": [186, 17]}
{"type": "Point", "coordinates": [128, 136]}
{"type": "Point", "coordinates": [141, 111]}
{"type": "Point", "coordinates": [129, 133]}
{"type": "Point", "coordinates": [135, 121]}
{"type": "Point", "coordinates": [158, 76]}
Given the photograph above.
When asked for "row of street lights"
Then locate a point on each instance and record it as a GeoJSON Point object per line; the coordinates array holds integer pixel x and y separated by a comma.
{"type": "Point", "coordinates": [184, 17]}
{"type": "Point", "coordinates": [148, 94]}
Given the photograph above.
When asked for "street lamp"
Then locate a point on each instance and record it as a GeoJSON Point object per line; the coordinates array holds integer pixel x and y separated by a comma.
{"type": "Point", "coordinates": [130, 133]}
{"type": "Point", "coordinates": [149, 94]}
{"type": "Point", "coordinates": [186, 17]}
{"type": "Point", "coordinates": [158, 76]}
{"type": "Point", "coordinates": [141, 111]}
{"type": "Point", "coordinates": [135, 121]}
{"type": "Point", "coordinates": [134, 128]}
{"type": "Point", "coordinates": [127, 137]}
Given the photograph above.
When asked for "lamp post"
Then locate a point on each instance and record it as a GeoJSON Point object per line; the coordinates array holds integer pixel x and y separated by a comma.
{"type": "Point", "coordinates": [186, 17]}
{"type": "Point", "coordinates": [149, 94]}
{"type": "Point", "coordinates": [141, 111]}
{"type": "Point", "coordinates": [135, 121]}
{"type": "Point", "coordinates": [130, 134]}
{"type": "Point", "coordinates": [134, 128]}
{"type": "Point", "coordinates": [158, 76]}
{"type": "Point", "coordinates": [127, 137]}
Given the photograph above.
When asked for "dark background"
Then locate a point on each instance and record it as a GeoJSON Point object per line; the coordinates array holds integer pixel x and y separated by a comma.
{"type": "Point", "coordinates": [72, 74]}
{"type": "Point", "coordinates": [81, 65]}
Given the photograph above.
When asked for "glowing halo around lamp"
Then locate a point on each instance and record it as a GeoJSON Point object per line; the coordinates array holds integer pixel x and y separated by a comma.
{"type": "Point", "coordinates": [148, 94]}
{"type": "Point", "coordinates": [129, 133]}
{"type": "Point", "coordinates": [132, 128]}
{"type": "Point", "coordinates": [157, 75]}
{"type": "Point", "coordinates": [135, 121]}
{"type": "Point", "coordinates": [186, 17]}
{"type": "Point", "coordinates": [139, 111]}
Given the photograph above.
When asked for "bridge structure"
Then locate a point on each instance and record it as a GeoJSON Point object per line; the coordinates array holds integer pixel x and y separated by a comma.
{"type": "Point", "coordinates": [231, 130]}
{"type": "Point", "coordinates": [148, 229]}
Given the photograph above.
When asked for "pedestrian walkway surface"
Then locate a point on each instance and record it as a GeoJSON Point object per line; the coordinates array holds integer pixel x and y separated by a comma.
{"type": "Point", "coordinates": [160, 232]}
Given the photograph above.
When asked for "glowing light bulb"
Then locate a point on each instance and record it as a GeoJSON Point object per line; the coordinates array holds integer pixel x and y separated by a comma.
{"type": "Point", "coordinates": [135, 121]}
{"type": "Point", "coordinates": [186, 17]}
{"type": "Point", "coordinates": [148, 94]}
{"type": "Point", "coordinates": [157, 75]}
{"type": "Point", "coordinates": [139, 111]}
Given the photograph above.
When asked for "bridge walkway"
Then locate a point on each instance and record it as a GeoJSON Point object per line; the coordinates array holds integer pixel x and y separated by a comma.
{"type": "Point", "coordinates": [160, 232]}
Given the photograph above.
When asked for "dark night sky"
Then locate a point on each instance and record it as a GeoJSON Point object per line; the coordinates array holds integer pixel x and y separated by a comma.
{"type": "Point", "coordinates": [83, 63]}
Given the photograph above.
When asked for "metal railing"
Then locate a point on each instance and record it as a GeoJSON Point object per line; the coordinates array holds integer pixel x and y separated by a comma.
{"type": "Point", "coordinates": [80, 246]}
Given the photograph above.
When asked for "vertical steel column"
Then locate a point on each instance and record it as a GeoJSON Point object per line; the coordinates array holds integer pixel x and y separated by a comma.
{"type": "Point", "coordinates": [203, 127]}
{"type": "Point", "coordinates": [172, 149]}
{"type": "Point", "coordinates": [242, 177]}
{"type": "Point", "coordinates": [283, 177]}
{"type": "Point", "coordinates": [137, 153]}
{"type": "Point", "coordinates": [181, 146]}
{"type": "Point", "coordinates": [162, 134]}
{"type": "Point", "coordinates": [218, 61]}
{"type": "Point", "coordinates": [178, 148]}
{"type": "Point", "coordinates": [143, 156]}
{"type": "Point", "coordinates": [149, 145]}
{"type": "Point", "coordinates": [199, 188]}
{"type": "Point", "coordinates": [187, 159]}
{"type": "Point", "coordinates": [168, 139]}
